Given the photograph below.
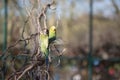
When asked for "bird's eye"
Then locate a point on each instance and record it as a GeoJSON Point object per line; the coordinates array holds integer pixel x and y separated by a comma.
{"type": "Point", "coordinates": [54, 29]}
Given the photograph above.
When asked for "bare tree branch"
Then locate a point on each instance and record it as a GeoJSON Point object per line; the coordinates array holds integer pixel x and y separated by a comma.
{"type": "Point", "coordinates": [115, 6]}
{"type": "Point", "coordinates": [27, 69]}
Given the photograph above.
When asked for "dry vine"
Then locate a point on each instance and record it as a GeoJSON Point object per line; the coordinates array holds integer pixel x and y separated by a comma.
{"type": "Point", "coordinates": [34, 67]}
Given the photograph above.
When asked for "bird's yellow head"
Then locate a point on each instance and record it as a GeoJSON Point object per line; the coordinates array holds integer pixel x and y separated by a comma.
{"type": "Point", "coordinates": [53, 28]}
{"type": "Point", "coordinates": [52, 34]}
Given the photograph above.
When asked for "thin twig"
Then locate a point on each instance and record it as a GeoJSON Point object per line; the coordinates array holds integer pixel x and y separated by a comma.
{"type": "Point", "coordinates": [19, 40]}
{"type": "Point", "coordinates": [28, 11]}
{"type": "Point", "coordinates": [27, 69]}
{"type": "Point", "coordinates": [46, 73]}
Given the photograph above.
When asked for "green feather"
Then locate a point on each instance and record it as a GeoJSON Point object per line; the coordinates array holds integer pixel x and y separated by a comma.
{"type": "Point", "coordinates": [44, 44]}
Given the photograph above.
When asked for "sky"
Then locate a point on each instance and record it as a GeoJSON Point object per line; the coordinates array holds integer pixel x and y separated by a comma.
{"type": "Point", "coordinates": [80, 7]}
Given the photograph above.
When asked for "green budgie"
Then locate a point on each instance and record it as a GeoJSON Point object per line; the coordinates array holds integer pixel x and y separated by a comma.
{"type": "Point", "coordinates": [52, 34]}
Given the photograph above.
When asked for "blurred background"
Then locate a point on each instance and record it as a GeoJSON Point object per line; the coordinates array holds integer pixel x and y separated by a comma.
{"type": "Point", "coordinates": [73, 23]}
